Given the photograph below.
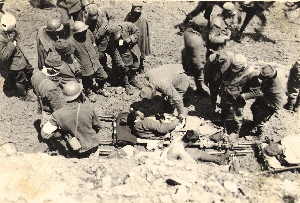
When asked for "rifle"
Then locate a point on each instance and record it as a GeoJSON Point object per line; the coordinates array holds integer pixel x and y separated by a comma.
{"type": "Point", "coordinates": [240, 149]}
{"type": "Point", "coordinates": [279, 170]}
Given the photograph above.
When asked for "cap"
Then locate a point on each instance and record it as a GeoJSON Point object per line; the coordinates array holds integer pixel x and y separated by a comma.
{"type": "Point", "coordinates": [92, 10]}
{"type": "Point", "coordinates": [239, 62]}
{"type": "Point", "coordinates": [53, 60]}
{"type": "Point", "coordinates": [268, 71]}
{"type": "Point", "coordinates": [136, 8]}
{"type": "Point", "coordinates": [72, 90]}
{"type": "Point", "coordinates": [298, 60]}
{"type": "Point", "coordinates": [273, 149]}
{"type": "Point", "coordinates": [199, 21]}
{"type": "Point", "coordinates": [147, 92]}
{"type": "Point", "coordinates": [8, 22]}
{"type": "Point", "coordinates": [79, 26]}
{"type": "Point", "coordinates": [228, 6]}
{"type": "Point", "coordinates": [64, 47]}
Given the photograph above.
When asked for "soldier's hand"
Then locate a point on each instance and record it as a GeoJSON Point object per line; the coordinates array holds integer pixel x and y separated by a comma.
{"type": "Point", "coordinates": [15, 43]}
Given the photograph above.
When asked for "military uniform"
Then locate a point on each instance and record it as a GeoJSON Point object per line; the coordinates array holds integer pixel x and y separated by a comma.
{"type": "Point", "coordinates": [293, 87]}
{"type": "Point", "coordinates": [214, 68]}
{"type": "Point", "coordinates": [172, 82]}
{"type": "Point", "coordinates": [273, 98]}
{"type": "Point", "coordinates": [14, 61]}
{"type": "Point", "coordinates": [126, 58]}
{"type": "Point", "coordinates": [232, 86]}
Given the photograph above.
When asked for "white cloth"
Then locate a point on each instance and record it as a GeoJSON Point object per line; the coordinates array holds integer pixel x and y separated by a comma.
{"type": "Point", "coordinates": [291, 150]}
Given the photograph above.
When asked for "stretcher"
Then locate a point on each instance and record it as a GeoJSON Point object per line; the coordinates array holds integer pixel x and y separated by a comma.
{"type": "Point", "coordinates": [122, 136]}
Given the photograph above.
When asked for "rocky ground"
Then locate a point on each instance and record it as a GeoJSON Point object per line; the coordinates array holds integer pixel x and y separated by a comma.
{"type": "Point", "coordinates": [27, 177]}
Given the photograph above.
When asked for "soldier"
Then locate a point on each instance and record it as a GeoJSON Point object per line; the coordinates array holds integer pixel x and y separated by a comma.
{"type": "Point", "coordinates": [125, 53]}
{"type": "Point", "coordinates": [13, 59]}
{"type": "Point", "coordinates": [78, 122]}
{"type": "Point", "coordinates": [193, 54]}
{"type": "Point", "coordinates": [47, 86]}
{"type": "Point", "coordinates": [145, 127]}
{"type": "Point", "coordinates": [214, 68]}
{"type": "Point", "coordinates": [293, 86]}
{"type": "Point", "coordinates": [221, 28]}
{"type": "Point", "coordinates": [172, 82]}
{"type": "Point", "coordinates": [71, 9]}
{"type": "Point", "coordinates": [98, 21]}
{"type": "Point", "coordinates": [46, 38]}
{"type": "Point", "coordinates": [72, 69]}
{"type": "Point", "coordinates": [138, 18]}
{"type": "Point", "coordinates": [272, 99]}
{"type": "Point", "coordinates": [86, 53]}
{"type": "Point", "coordinates": [240, 78]}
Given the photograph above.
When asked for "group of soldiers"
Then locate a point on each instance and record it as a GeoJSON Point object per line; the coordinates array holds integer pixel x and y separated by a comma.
{"type": "Point", "coordinates": [73, 67]}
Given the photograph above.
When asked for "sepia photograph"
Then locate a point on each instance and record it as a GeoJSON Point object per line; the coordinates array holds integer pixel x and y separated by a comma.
{"type": "Point", "coordinates": [159, 101]}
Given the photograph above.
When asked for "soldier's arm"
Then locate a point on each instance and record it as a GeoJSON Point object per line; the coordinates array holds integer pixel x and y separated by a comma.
{"type": "Point", "coordinates": [134, 33]}
{"type": "Point", "coordinates": [6, 50]}
{"type": "Point", "coordinates": [48, 129]}
{"type": "Point", "coordinates": [158, 126]}
{"type": "Point", "coordinates": [169, 90]}
{"type": "Point", "coordinates": [182, 154]}
{"type": "Point", "coordinates": [55, 99]}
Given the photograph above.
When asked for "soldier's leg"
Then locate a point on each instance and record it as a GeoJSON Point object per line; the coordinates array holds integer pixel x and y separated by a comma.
{"type": "Point", "coordinates": [202, 89]}
{"type": "Point", "coordinates": [88, 84]}
{"type": "Point", "coordinates": [297, 104]}
{"type": "Point", "coordinates": [22, 84]}
{"type": "Point", "coordinates": [206, 157]}
{"type": "Point", "coordinates": [64, 15]}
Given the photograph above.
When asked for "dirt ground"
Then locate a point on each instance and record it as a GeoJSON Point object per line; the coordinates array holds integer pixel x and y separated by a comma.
{"type": "Point", "coordinates": [29, 177]}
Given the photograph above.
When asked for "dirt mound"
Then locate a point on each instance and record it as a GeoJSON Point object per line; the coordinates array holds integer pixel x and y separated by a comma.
{"type": "Point", "coordinates": [42, 178]}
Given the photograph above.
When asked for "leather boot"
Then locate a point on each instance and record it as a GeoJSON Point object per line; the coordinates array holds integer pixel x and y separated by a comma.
{"type": "Point", "coordinates": [128, 89]}
{"type": "Point", "coordinates": [296, 106]}
{"type": "Point", "coordinates": [290, 104]}
{"type": "Point", "coordinates": [202, 89]}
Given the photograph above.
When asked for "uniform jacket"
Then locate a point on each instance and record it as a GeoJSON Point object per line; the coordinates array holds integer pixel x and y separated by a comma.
{"type": "Point", "coordinates": [293, 84]}
{"type": "Point", "coordinates": [11, 56]}
{"type": "Point", "coordinates": [193, 53]}
{"type": "Point", "coordinates": [99, 27]}
{"type": "Point", "coordinates": [233, 84]}
{"type": "Point", "coordinates": [87, 125]}
{"type": "Point", "coordinates": [217, 32]}
{"type": "Point", "coordinates": [45, 44]}
{"type": "Point", "coordinates": [67, 73]}
{"type": "Point", "coordinates": [144, 37]}
{"type": "Point", "coordinates": [86, 53]}
{"type": "Point", "coordinates": [148, 127]}
{"type": "Point", "coordinates": [274, 90]}
{"type": "Point", "coordinates": [48, 91]}
{"type": "Point", "coordinates": [72, 6]}
{"type": "Point", "coordinates": [165, 79]}
{"type": "Point", "coordinates": [129, 30]}
{"type": "Point", "coordinates": [213, 71]}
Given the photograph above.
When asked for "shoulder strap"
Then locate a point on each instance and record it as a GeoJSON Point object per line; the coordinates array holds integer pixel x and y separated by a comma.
{"type": "Point", "coordinates": [78, 109]}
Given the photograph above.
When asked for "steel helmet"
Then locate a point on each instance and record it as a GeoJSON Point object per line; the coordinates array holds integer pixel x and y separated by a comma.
{"type": "Point", "coordinates": [79, 26]}
{"type": "Point", "coordinates": [72, 90]}
{"type": "Point", "coordinates": [54, 25]}
{"type": "Point", "coordinates": [8, 22]}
